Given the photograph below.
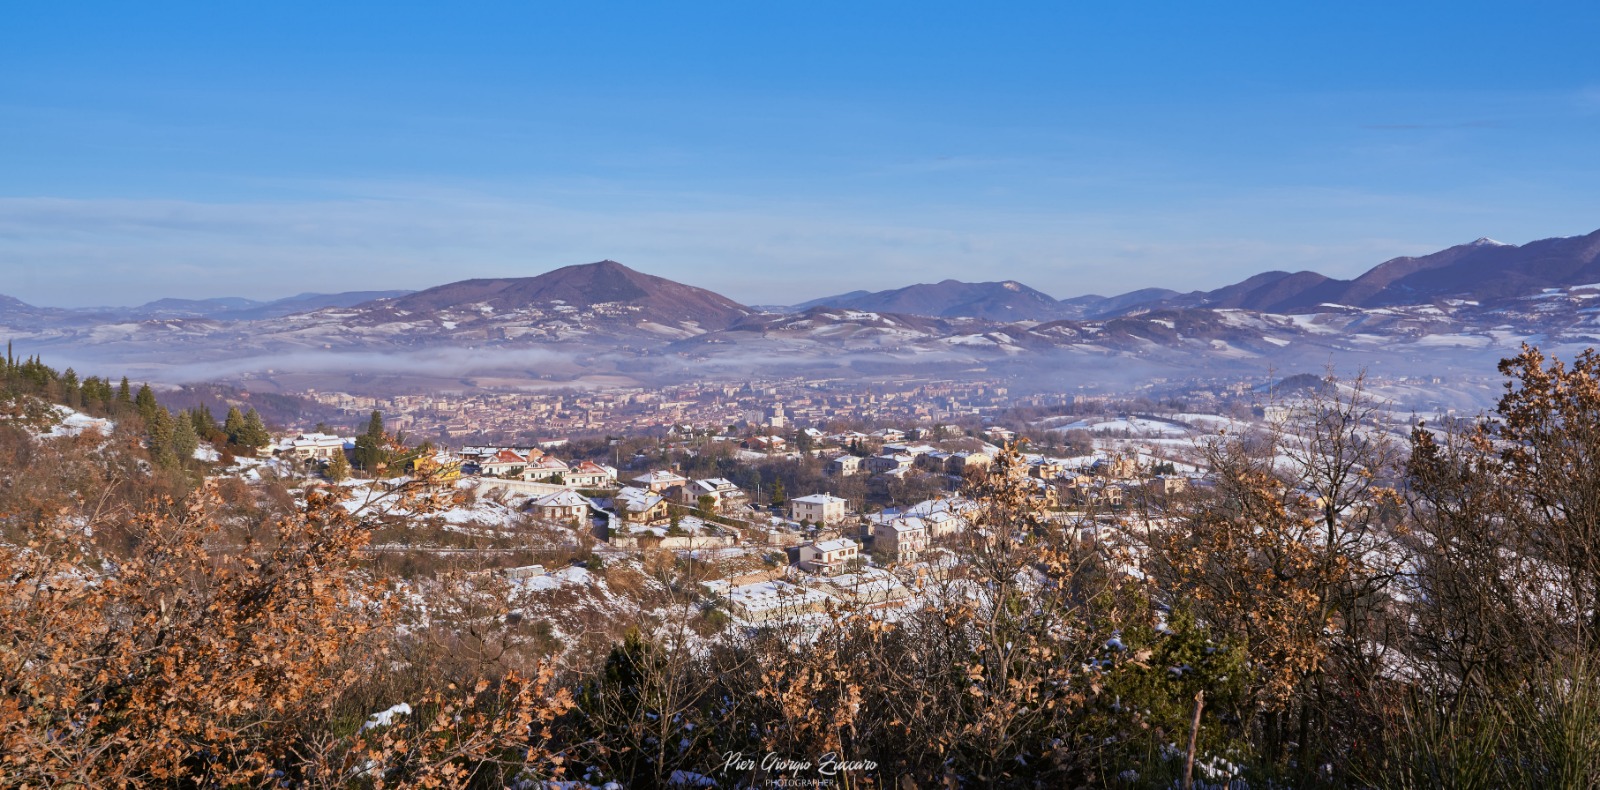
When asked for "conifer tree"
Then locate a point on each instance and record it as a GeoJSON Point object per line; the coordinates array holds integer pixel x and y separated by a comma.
{"type": "Point", "coordinates": [184, 439]}
{"type": "Point", "coordinates": [159, 431]}
{"type": "Point", "coordinates": [338, 468]}
{"type": "Point", "coordinates": [371, 447]}
{"type": "Point", "coordinates": [233, 425]}
{"type": "Point", "coordinates": [255, 431]}
{"type": "Point", "coordinates": [124, 392]}
{"type": "Point", "coordinates": [205, 425]}
{"type": "Point", "coordinates": [146, 403]}
{"type": "Point", "coordinates": [70, 389]}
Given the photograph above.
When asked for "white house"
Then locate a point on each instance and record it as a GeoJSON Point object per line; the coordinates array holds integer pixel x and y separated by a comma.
{"type": "Point", "coordinates": [588, 474]}
{"type": "Point", "coordinates": [724, 493]}
{"type": "Point", "coordinates": [560, 506]}
{"type": "Point", "coordinates": [503, 464]}
{"type": "Point", "coordinates": [901, 538]}
{"type": "Point", "coordinates": [844, 466]}
{"type": "Point", "coordinates": [639, 505]}
{"type": "Point", "coordinates": [828, 556]}
{"type": "Point", "coordinates": [546, 468]}
{"type": "Point", "coordinates": [817, 509]}
{"type": "Point", "coordinates": [884, 464]}
{"type": "Point", "coordinates": [312, 445]}
{"type": "Point", "coordinates": [659, 480]}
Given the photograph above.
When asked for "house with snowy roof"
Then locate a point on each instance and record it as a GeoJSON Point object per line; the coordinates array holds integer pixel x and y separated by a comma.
{"type": "Point", "coordinates": [308, 446]}
{"type": "Point", "coordinates": [504, 463]}
{"type": "Point", "coordinates": [828, 556]}
{"type": "Point", "coordinates": [887, 464]}
{"type": "Point", "coordinates": [639, 505]}
{"type": "Point", "coordinates": [900, 539]}
{"type": "Point", "coordinates": [659, 480]}
{"type": "Point", "coordinates": [548, 467]}
{"type": "Point", "coordinates": [560, 506]}
{"type": "Point", "coordinates": [824, 509]}
{"type": "Point", "coordinates": [844, 466]}
{"type": "Point", "coordinates": [588, 474]}
{"type": "Point", "coordinates": [724, 494]}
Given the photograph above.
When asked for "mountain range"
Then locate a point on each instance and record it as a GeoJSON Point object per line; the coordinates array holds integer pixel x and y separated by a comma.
{"type": "Point", "coordinates": [1483, 270]}
{"type": "Point", "coordinates": [605, 322]}
{"type": "Point", "coordinates": [1002, 301]}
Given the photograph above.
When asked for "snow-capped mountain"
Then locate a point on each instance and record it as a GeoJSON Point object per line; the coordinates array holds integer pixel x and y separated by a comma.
{"type": "Point", "coordinates": [1466, 305]}
{"type": "Point", "coordinates": [1007, 300]}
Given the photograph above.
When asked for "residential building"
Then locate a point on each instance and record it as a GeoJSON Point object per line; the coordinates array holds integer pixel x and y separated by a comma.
{"type": "Point", "coordinates": [844, 466]}
{"type": "Point", "coordinates": [961, 463]}
{"type": "Point", "coordinates": [724, 494]}
{"type": "Point", "coordinates": [560, 506]}
{"type": "Point", "coordinates": [307, 446]}
{"type": "Point", "coordinates": [824, 509]}
{"type": "Point", "coordinates": [639, 505]}
{"type": "Point", "coordinates": [588, 474]}
{"type": "Point", "coordinates": [547, 468]}
{"type": "Point", "coordinates": [505, 463]}
{"type": "Point", "coordinates": [900, 539]}
{"type": "Point", "coordinates": [882, 464]}
{"type": "Point", "coordinates": [659, 480]}
{"type": "Point", "coordinates": [828, 556]}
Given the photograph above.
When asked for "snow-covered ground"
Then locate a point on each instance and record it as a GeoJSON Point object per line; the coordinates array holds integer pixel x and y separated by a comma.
{"type": "Point", "coordinates": [73, 423]}
{"type": "Point", "coordinates": [1138, 426]}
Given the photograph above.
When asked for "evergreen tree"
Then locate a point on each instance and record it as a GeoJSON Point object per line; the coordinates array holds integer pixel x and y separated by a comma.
{"type": "Point", "coordinates": [124, 393]}
{"type": "Point", "coordinates": [779, 496]}
{"type": "Point", "coordinates": [71, 394]}
{"type": "Point", "coordinates": [233, 425]}
{"type": "Point", "coordinates": [146, 403]}
{"type": "Point", "coordinates": [184, 439]}
{"type": "Point", "coordinates": [159, 432]}
{"type": "Point", "coordinates": [97, 393]}
{"type": "Point", "coordinates": [338, 468]}
{"type": "Point", "coordinates": [255, 431]}
{"type": "Point", "coordinates": [205, 425]}
{"type": "Point", "coordinates": [372, 446]}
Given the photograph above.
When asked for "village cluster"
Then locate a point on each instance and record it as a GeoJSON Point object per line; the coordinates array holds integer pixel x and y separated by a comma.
{"type": "Point", "coordinates": [817, 545]}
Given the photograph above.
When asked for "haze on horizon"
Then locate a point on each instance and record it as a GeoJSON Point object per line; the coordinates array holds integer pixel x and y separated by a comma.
{"type": "Point", "coordinates": [777, 154]}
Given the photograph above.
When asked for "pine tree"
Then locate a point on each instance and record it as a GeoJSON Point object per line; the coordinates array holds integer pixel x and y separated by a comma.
{"type": "Point", "coordinates": [233, 425]}
{"type": "Point", "coordinates": [372, 446]}
{"type": "Point", "coordinates": [71, 394]}
{"type": "Point", "coordinates": [146, 403]}
{"type": "Point", "coordinates": [255, 431]}
{"type": "Point", "coordinates": [124, 393]}
{"type": "Point", "coordinates": [338, 468]}
{"type": "Point", "coordinates": [779, 496]}
{"type": "Point", "coordinates": [184, 439]}
{"type": "Point", "coordinates": [159, 431]}
{"type": "Point", "coordinates": [205, 425]}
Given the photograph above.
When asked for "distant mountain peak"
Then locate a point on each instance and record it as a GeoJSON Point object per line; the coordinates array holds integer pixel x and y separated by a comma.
{"type": "Point", "coordinates": [1482, 270]}
{"type": "Point", "coordinates": [1007, 300]}
{"type": "Point", "coordinates": [585, 285]}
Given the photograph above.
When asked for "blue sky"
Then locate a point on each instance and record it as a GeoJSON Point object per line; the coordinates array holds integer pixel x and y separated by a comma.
{"type": "Point", "coordinates": [778, 151]}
